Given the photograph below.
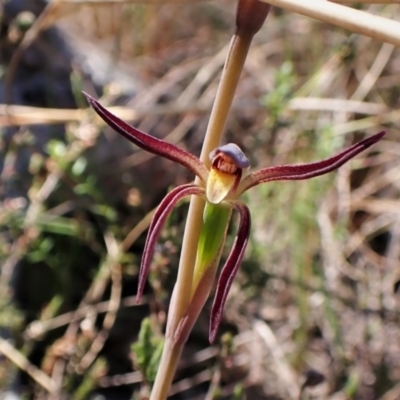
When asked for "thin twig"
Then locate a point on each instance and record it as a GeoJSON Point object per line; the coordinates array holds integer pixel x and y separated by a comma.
{"type": "Point", "coordinates": [23, 363]}
{"type": "Point", "coordinates": [374, 72]}
{"type": "Point", "coordinates": [16, 115]}
{"type": "Point", "coordinates": [365, 123]}
{"type": "Point", "coordinates": [114, 254]}
{"type": "Point", "coordinates": [23, 115]}
{"type": "Point", "coordinates": [38, 328]}
{"type": "Point", "coordinates": [284, 371]}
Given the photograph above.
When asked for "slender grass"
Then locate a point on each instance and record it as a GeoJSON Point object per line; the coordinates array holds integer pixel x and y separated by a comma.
{"type": "Point", "coordinates": [357, 21]}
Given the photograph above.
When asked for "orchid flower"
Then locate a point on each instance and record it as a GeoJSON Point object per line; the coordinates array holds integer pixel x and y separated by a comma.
{"type": "Point", "coordinates": [221, 186]}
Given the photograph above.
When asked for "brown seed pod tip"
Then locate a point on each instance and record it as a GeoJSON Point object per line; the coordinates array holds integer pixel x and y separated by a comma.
{"type": "Point", "coordinates": [250, 15]}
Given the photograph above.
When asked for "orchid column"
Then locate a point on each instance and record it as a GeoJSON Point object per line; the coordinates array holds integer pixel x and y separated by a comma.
{"type": "Point", "coordinates": [250, 16]}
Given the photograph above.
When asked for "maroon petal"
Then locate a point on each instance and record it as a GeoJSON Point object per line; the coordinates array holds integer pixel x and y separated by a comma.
{"type": "Point", "coordinates": [150, 143]}
{"type": "Point", "coordinates": [157, 222]}
{"type": "Point", "coordinates": [306, 171]}
{"type": "Point", "coordinates": [230, 268]}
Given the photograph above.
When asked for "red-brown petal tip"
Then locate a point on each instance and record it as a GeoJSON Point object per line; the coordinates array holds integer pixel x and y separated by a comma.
{"type": "Point", "coordinates": [150, 143]}
{"type": "Point", "coordinates": [309, 170]}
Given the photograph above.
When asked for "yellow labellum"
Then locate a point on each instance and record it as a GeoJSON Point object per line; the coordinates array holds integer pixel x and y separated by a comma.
{"type": "Point", "coordinates": [219, 184]}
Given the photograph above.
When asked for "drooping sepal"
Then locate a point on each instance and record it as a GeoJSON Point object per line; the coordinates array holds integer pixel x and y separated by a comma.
{"type": "Point", "coordinates": [230, 268]}
{"type": "Point", "coordinates": [156, 225]}
{"type": "Point", "coordinates": [309, 170]}
{"type": "Point", "coordinates": [150, 143]}
{"type": "Point", "coordinates": [211, 241]}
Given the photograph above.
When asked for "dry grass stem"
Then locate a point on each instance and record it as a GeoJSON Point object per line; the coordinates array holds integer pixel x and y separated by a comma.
{"type": "Point", "coordinates": [36, 329]}
{"type": "Point", "coordinates": [366, 1]}
{"type": "Point", "coordinates": [374, 72]}
{"type": "Point", "coordinates": [114, 254]}
{"type": "Point", "coordinates": [23, 115]}
{"type": "Point", "coordinates": [284, 372]}
{"type": "Point", "coordinates": [357, 21]}
{"type": "Point", "coordinates": [108, 2]}
{"type": "Point", "coordinates": [23, 363]}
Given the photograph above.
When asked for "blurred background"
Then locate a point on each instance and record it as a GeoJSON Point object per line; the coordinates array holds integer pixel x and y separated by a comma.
{"type": "Point", "coordinates": [315, 306]}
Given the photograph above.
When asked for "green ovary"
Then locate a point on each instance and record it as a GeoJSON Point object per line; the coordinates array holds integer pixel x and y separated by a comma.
{"type": "Point", "coordinates": [216, 219]}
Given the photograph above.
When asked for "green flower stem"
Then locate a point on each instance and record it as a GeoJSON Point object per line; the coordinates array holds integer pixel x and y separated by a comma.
{"type": "Point", "coordinates": [183, 288]}
{"type": "Point", "coordinates": [166, 371]}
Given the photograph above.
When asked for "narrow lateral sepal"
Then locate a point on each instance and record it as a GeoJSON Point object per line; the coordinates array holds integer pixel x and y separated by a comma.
{"type": "Point", "coordinates": [230, 268]}
{"type": "Point", "coordinates": [156, 225]}
{"type": "Point", "coordinates": [309, 170]}
{"type": "Point", "coordinates": [150, 143]}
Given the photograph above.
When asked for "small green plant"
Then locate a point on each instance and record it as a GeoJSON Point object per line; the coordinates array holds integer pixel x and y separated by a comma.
{"type": "Point", "coordinates": [147, 352]}
{"type": "Point", "coordinates": [276, 100]}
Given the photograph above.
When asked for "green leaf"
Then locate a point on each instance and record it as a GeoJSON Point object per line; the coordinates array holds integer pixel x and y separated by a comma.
{"type": "Point", "coordinates": [148, 351]}
{"type": "Point", "coordinates": [79, 166]}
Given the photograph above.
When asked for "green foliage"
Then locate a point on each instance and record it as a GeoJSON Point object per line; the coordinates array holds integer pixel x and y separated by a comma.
{"type": "Point", "coordinates": [352, 384]}
{"type": "Point", "coordinates": [10, 317]}
{"type": "Point", "coordinates": [238, 392]}
{"type": "Point", "coordinates": [90, 378]}
{"type": "Point", "coordinates": [276, 101]}
{"type": "Point", "coordinates": [147, 351]}
{"type": "Point", "coordinates": [57, 150]}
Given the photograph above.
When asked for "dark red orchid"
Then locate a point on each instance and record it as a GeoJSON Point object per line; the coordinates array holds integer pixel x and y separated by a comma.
{"type": "Point", "coordinates": [221, 186]}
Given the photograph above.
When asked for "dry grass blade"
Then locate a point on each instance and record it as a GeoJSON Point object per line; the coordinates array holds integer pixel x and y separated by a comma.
{"type": "Point", "coordinates": [16, 115]}
{"type": "Point", "coordinates": [367, 1]}
{"type": "Point", "coordinates": [114, 254]}
{"type": "Point", "coordinates": [374, 26]}
{"type": "Point", "coordinates": [336, 105]}
{"type": "Point", "coordinates": [284, 371]}
{"type": "Point", "coordinates": [107, 2]}
{"type": "Point", "coordinates": [374, 72]}
{"type": "Point", "coordinates": [22, 362]}
{"type": "Point", "coordinates": [36, 329]}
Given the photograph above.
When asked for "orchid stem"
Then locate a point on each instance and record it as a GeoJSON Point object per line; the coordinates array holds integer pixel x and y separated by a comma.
{"type": "Point", "coordinates": [233, 67]}
{"type": "Point", "coordinates": [166, 370]}
{"type": "Point", "coordinates": [237, 54]}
